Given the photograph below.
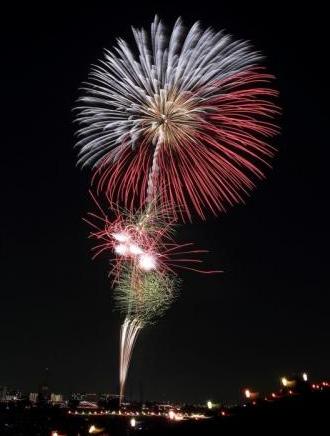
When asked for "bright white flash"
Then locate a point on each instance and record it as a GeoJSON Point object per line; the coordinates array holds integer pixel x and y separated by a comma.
{"type": "Point", "coordinates": [121, 249]}
{"type": "Point", "coordinates": [147, 262]}
{"type": "Point", "coordinates": [120, 237]}
{"type": "Point", "coordinates": [135, 249]}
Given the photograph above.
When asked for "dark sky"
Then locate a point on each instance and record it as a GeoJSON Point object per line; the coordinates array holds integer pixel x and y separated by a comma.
{"type": "Point", "coordinates": [266, 316]}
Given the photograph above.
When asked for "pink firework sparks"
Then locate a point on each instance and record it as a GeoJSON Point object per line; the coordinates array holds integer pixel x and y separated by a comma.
{"type": "Point", "coordinates": [143, 238]}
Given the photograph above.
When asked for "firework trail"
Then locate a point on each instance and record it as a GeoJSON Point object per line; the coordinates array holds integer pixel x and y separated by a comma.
{"type": "Point", "coordinates": [128, 334]}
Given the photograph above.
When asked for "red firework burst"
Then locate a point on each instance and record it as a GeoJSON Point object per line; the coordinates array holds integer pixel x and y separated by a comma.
{"type": "Point", "coordinates": [207, 161]}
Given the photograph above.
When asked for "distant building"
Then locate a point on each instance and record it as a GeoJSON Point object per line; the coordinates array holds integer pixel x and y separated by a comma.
{"type": "Point", "coordinates": [77, 396]}
{"type": "Point", "coordinates": [93, 398]}
{"type": "Point", "coordinates": [56, 398]}
{"type": "Point", "coordinates": [3, 393]}
{"type": "Point", "coordinates": [33, 397]}
{"type": "Point", "coordinates": [43, 391]}
{"type": "Point", "coordinates": [108, 401]}
{"type": "Point", "coordinates": [7, 394]}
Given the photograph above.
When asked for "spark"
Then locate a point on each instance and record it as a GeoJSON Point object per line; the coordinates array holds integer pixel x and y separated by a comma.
{"type": "Point", "coordinates": [121, 249]}
{"type": "Point", "coordinates": [120, 237]}
{"type": "Point", "coordinates": [147, 262]}
{"type": "Point", "coordinates": [135, 249]}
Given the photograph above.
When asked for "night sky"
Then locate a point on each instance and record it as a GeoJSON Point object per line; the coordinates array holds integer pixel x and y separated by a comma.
{"type": "Point", "coordinates": [265, 316]}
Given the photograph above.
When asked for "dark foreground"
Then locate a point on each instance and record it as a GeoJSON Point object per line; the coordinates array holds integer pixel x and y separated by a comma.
{"type": "Point", "coordinates": [289, 415]}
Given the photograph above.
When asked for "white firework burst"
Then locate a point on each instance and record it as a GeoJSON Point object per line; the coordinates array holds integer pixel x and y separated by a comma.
{"type": "Point", "coordinates": [183, 114]}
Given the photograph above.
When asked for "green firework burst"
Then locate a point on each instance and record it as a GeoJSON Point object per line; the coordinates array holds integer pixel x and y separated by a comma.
{"type": "Point", "coordinates": [145, 295]}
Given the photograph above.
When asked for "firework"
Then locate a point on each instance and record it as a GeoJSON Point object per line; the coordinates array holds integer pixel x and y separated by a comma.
{"type": "Point", "coordinates": [144, 261]}
{"type": "Point", "coordinates": [187, 116]}
{"type": "Point", "coordinates": [179, 125]}
{"type": "Point", "coordinates": [145, 296]}
{"type": "Point", "coordinates": [143, 253]}
{"type": "Point", "coordinates": [129, 331]}
{"type": "Point", "coordinates": [143, 239]}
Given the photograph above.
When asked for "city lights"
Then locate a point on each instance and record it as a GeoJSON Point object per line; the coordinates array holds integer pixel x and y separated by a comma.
{"type": "Point", "coordinates": [85, 406]}
{"type": "Point", "coordinates": [176, 413]}
{"type": "Point", "coordinates": [305, 376]}
{"type": "Point", "coordinates": [288, 383]}
{"type": "Point", "coordinates": [171, 415]}
{"type": "Point", "coordinates": [95, 430]}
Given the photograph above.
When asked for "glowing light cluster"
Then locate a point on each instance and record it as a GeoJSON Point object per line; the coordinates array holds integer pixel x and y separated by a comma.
{"type": "Point", "coordinates": [127, 247]}
{"type": "Point", "coordinates": [143, 239]}
{"type": "Point", "coordinates": [175, 416]}
{"type": "Point", "coordinates": [147, 262]}
{"type": "Point", "coordinates": [209, 405]}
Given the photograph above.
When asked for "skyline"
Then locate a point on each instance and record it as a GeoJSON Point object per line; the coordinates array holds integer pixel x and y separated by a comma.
{"type": "Point", "coordinates": [286, 385]}
{"type": "Point", "coordinates": [264, 316]}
